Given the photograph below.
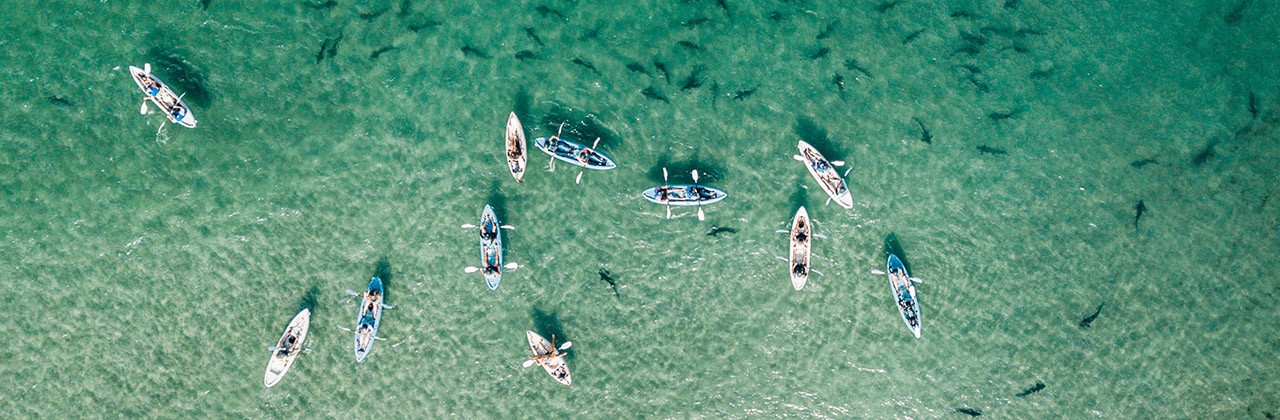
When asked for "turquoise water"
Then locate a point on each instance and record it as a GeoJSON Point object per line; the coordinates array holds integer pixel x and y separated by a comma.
{"type": "Point", "coordinates": [151, 267]}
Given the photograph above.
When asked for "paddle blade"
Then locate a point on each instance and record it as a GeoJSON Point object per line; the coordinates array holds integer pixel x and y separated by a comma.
{"type": "Point", "coordinates": [528, 363]}
{"type": "Point", "coordinates": [511, 266]}
{"type": "Point", "coordinates": [701, 217]}
{"type": "Point", "coordinates": [578, 180]}
{"type": "Point", "coordinates": [664, 173]}
{"type": "Point", "coordinates": [877, 272]}
{"type": "Point", "coordinates": [917, 280]}
{"type": "Point", "coordinates": [388, 306]}
{"type": "Point", "coordinates": [273, 348]}
{"type": "Point", "coordinates": [597, 143]}
{"type": "Point", "coordinates": [837, 163]}
{"type": "Point", "coordinates": [146, 68]}
{"type": "Point", "coordinates": [508, 227]}
{"type": "Point", "coordinates": [566, 345]}
{"type": "Point", "coordinates": [695, 176]}
{"type": "Point", "coordinates": [471, 269]}
{"type": "Point", "coordinates": [143, 111]}
{"type": "Point", "coordinates": [846, 172]}
{"type": "Point", "coordinates": [798, 157]}
{"type": "Point", "coordinates": [352, 292]}
{"type": "Point", "coordinates": [468, 226]}
{"type": "Point", "coordinates": [668, 211]}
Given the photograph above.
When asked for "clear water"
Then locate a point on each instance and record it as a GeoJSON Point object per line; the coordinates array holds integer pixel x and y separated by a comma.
{"type": "Point", "coordinates": [150, 268]}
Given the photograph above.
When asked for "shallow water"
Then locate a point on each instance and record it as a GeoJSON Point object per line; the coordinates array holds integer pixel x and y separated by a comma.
{"type": "Point", "coordinates": [152, 266]}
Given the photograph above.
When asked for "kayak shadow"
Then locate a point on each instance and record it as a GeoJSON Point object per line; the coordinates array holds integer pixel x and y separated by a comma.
{"type": "Point", "coordinates": [681, 171]}
{"type": "Point", "coordinates": [892, 246]}
{"type": "Point", "coordinates": [522, 102]}
{"type": "Point", "coordinates": [309, 299]}
{"type": "Point", "coordinates": [817, 137]}
{"type": "Point", "coordinates": [182, 76]}
{"type": "Point", "coordinates": [497, 200]}
{"type": "Point", "coordinates": [548, 325]}
{"type": "Point", "coordinates": [580, 127]}
{"type": "Point", "coordinates": [800, 196]}
{"type": "Point", "coordinates": [382, 269]}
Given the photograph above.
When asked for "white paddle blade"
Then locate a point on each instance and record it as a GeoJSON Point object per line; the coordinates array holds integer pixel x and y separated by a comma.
{"type": "Point", "coordinates": [352, 293]}
{"type": "Point", "coordinates": [701, 217]}
{"type": "Point", "coordinates": [819, 272]}
{"type": "Point", "coordinates": [273, 348]}
{"type": "Point", "coordinates": [528, 363]}
{"type": "Point", "coordinates": [471, 269]}
{"type": "Point", "coordinates": [782, 259]}
{"type": "Point", "coordinates": [511, 266]}
{"type": "Point", "coordinates": [846, 172]}
{"type": "Point", "coordinates": [508, 227]}
{"type": "Point", "coordinates": [566, 345]}
{"type": "Point", "coordinates": [837, 163]}
{"type": "Point", "coordinates": [917, 280]}
{"type": "Point", "coordinates": [597, 143]}
{"type": "Point", "coordinates": [798, 157]}
{"type": "Point", "coordinates": [143, 111]}
{"type": "Point", "coordinates": [578, 180]}
{"type": "Point", "coordinates": [783, 231]}
{"type": "Point", "coordinates": [146, 67]}
{"type": "Point", "coordinates": [468, 226]}
{"type": "Point", "coordinates": [388, 306]}
{"type": "Point", "coordinates": [664, 174]}
{"type": "Point", "coordinates": [828, 203]}
{"type": "Point", "coordinates": [668, 211]}
{"type": "Point", "coordinates": [877, 272]}
{"type": "Point", "coordinates": [695, 176]}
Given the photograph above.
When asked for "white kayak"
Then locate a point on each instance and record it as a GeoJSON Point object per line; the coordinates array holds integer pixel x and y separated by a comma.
{"type": "Point", "coordinates": [801, 241]}
{"type": "Point", "coordinates": [516, 151]}
{"type": "Point", "coordinates": [288, 349]}
{"type": "Point", "coordinates": [904, 293]}
{"type": "Point", "coordinates": [826, 174]}
{"type": "Point", "coordinates": [170, 103]}
{"type": "Point", "coordinates": [549, 357]}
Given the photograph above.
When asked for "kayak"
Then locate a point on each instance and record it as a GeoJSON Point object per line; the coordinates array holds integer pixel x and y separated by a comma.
{"type": "Point", "coordinates": [801, 234]}
{"type": "Point", "coordinates": [574, 153]}
{"type": "Point", "coordinates": [163, 97]}
{"type": "Point", "coordinates": [684, 195]}
{"type": "Point", "coordinates": [516, 152]}
{"type": "Point", "coordinates": [549, 357]}
{"type": "Point", "coordinates": [905, 294]}
{"type": "Point", "coordinates": [826, 174]}
{"type": "Point", "coordinates": [369, 317]}
{"type": "Point", "coordinates": [288, 349]}
{"type": "Point", "coordinates": [490, 247]}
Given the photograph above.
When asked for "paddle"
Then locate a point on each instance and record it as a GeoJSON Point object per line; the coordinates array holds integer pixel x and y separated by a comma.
{"type": "Point", "coordinates": [881, 273]}
{"type": "Point", "coordinates": [507, 227]}
{"type": "Point", "coordinates": [471, 269]}
{"type": "Point", "coordinates": [468, 226]}
{"type": "Point", "coordinates": [586, 152]}
{"type": "Point", "coordinates": [664, 189]}
{"type": "Point", "coordinates": [551, 148]}
{"type": "Point", "coordinates": [146, 68]}
{"type": "Point", "coordinates": [511, 266]}
{"type": "Point", "coordinates": [528, 363]}
{"type": "Point", "coordinates": [701, 217]}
